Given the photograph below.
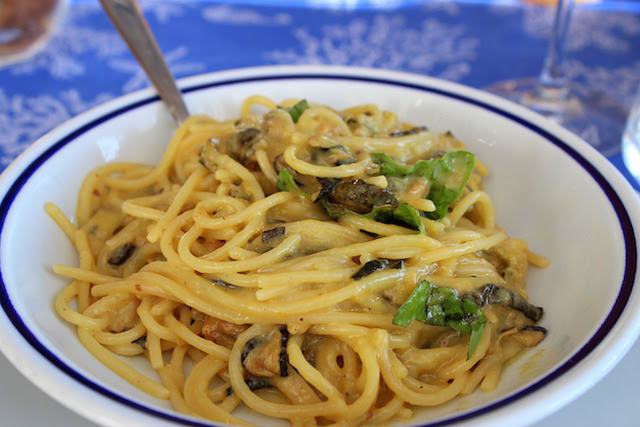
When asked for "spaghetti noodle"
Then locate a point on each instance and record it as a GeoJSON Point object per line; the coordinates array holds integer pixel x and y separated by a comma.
{"type": "Point", "coordinates": [320, 266]}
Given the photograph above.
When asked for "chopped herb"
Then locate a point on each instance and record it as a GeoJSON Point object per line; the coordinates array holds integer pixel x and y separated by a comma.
{"type": "Point", "coordinates": [404, 214]}
{"type": "Point", "coordinates": [388, 166]}
{"type": "Point", "coordinates": [287, 183]}
{"type": "Point", "coordinates": [447, 176]}
{"type": "Point", "coordinates": [297, 110]}
{"type": "Point", "coordinates": [334, 211]}
{"type": "Point", "coordinates": [357, 197]}
{"type": "Point", "coordinates": [414, 308]}
{"type": "Point", "coordinates": [442, 306]}
{"type": "Point", "coordinates": [450, 175]}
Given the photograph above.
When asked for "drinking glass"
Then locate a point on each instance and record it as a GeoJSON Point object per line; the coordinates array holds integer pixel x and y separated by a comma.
{"type": "Point", "coordinates": [26, 25]}
{"type": "Point", "coordinates": [552, 94]}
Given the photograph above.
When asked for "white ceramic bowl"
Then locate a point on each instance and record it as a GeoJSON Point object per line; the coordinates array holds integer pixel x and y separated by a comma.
{"type": "Point", "coordinates": [549, 188]}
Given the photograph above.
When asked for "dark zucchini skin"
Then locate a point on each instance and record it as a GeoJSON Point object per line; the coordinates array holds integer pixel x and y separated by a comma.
{"type": "Point", "coordinates": [356, 196]}
{"type": "Point", "coordinates": [284, 357]}
{"type": "Point", "coordinates": [494, 294]}
{"type": "Point", "coordinates": [122, 254]}
{"type": "Point", "coordinates": [254, 383]}
{"type": "Point", "coordinates": [376, 265]}
{"type": "Point", "coordinates": [272, 234]}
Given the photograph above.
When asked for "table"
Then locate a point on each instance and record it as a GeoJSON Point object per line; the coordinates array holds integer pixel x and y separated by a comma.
{"type": "Point", "coordinates": [472, 42]}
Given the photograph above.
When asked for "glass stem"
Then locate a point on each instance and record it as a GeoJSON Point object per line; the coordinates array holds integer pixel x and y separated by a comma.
{"type": "Point", "coordinates": [553, 81]}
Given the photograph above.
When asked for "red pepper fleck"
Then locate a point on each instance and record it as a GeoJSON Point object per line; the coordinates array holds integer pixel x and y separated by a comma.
{"type": "Point", "coordinates": [138, 287]}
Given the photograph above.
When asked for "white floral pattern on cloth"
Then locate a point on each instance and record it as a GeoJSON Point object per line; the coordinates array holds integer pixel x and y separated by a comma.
{"type": "Point", "coordinates": [24, 119]}
{"type": "Point", "coordinates": [591, 32]}
{"type": "Point", "coordinates": [225, 13]}
{"type": "Point", "coordinates": [476, 44]}
{"type": "Point", "coordinates": [620, 83]}
{"type": "Point", "coordinates": [608, 31]}
{"type": "Point", "coordinates": [164, 11]}
{"type": "Point", "coordinates": [138, 77]}
{"type": "Point", "coordinates": [385, 41]}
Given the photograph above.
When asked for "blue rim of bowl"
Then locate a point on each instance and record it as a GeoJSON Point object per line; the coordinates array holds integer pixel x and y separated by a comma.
{"type": "Point", "coordinates": [617, 204]}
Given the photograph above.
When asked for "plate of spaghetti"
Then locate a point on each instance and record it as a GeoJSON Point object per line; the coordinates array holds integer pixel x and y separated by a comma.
{"type": "Point", "coordinates": [316, 246]}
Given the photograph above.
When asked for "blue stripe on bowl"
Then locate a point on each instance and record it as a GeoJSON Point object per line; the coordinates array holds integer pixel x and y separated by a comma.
{"type": "Point", "coordinates": [625, 223]}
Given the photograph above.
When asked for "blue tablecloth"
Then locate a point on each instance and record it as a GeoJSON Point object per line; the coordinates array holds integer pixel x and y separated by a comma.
{"type": "Point", "coordinates": [475, 43]}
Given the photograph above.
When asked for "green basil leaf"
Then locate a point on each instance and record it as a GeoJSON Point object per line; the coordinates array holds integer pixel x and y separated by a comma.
{"type": "Point", "coordinates": [440, 299]}
{"type": "Point", "coordinates": [388, 166]}
{"type": "Point", "coordinates": [404, 215]}
{"type": "Point", "coordinates": [476, 333]}
{"type": "Point", "coordinates": [335, 211]}
{"type": "Point", "coordinates": [476, 320]}
{"type": "Point", "coordinates": [407, 214]}
{"type": "Point", "coordinates": [287, 183]}
{"type": "Point", "coordinates": [443, 306]}
{"type": "Point", "coordinates": [460, 325]}
{"type": "Point", "coordinates": [447, 176]}
{"type": "Point", "coordinates": [297, 110]}
{"type": "Point", "coordinates": [414, 307]}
